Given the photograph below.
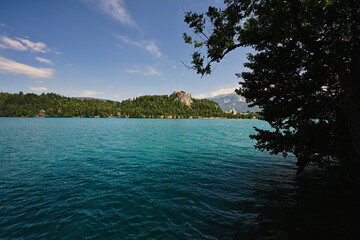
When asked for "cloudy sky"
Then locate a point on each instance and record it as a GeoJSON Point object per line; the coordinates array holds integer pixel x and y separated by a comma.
{"type": "Point", "coordinates": [112, 49]}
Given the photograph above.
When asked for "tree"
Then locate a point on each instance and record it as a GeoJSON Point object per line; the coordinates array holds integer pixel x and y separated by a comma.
{"type": "Point", "coordinates": [304, 73]}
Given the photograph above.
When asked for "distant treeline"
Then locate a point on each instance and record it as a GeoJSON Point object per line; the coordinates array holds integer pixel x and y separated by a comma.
{"type": "Point", "coordinates": [156, 106]}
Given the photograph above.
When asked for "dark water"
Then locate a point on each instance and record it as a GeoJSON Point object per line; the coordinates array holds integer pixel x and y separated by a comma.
{"type": "Point", "coordinates": [160, 179]}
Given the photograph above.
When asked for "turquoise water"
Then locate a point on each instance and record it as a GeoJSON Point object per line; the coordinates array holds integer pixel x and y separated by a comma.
{"type": "Point", "coordinates": [144, 179]}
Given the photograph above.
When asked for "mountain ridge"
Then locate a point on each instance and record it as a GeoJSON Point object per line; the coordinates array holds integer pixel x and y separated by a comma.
{"type": "Point", "coordinates": [232, 102]}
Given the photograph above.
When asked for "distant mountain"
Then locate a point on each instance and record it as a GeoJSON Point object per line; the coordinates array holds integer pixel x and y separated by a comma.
{"type": "Point", "coordinates": [233, 102]}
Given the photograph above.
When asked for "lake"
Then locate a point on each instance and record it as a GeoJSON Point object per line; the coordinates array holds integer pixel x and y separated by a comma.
{"type": "Point", "coordinates": [158, 179]}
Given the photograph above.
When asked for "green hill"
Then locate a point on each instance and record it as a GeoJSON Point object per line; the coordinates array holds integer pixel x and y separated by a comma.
{"type": "Point", "coordinates": [54, 105]}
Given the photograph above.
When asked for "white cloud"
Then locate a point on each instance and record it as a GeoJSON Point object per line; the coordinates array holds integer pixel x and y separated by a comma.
{"type": "Point", "coordinates": [3, 24]}
{"type": "Point", "coordinates": [128, 41]}
{"type": "Point", "coordinates": [90, 93]}
{"type": "Point", "coordinates": [35, 47]}
{"type": "Point", "coordinates": [149, 46]}
{"type": "Point", "coordinates": [153, 49]}
{"type": "Point", "coordinates": [8, 66]}
{"type": "Point", "coordinates": [6, 42]}
{"type": "Point", "coordinates": [38, 89]}
{"type": "Point", "coordinates": [44, 60]}
{"type": "Point", "coordinates": [114, 8]}
{"type": "Point", "coordinates": [132, 71]}
{"type": "Point", "coordinates": [216, 93]}
{"type": "Point", "coordinates": [22, 44]}
{"type": "Point", "coordinates": [39, 81]}
{"type": "Point", "coordinates": [150, 72]}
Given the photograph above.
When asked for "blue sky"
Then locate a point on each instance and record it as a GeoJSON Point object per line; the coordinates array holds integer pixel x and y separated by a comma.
{"type": "Point", "coordinates": [112, 49]}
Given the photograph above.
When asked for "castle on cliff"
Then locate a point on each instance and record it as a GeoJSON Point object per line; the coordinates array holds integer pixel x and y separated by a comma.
{"type": "Point", "coordinates": [184, 97]}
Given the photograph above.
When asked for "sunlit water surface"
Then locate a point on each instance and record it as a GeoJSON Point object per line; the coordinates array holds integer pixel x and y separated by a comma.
{"type": "Point", "coordinates": [157, 179]}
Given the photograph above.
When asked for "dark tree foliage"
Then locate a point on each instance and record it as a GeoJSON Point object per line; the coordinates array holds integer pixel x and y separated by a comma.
{"type": "Point", "coordinates": [304, 73]}
{"type": "Point", "coordinates": [156, 106]}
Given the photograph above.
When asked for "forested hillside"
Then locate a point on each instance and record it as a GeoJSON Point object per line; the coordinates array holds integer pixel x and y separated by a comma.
{"type": "Point", "coordinates": [156, 106]}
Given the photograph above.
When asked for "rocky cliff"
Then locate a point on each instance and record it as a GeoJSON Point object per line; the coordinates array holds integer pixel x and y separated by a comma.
{"type": "Point", "coordinates": [183, 97]}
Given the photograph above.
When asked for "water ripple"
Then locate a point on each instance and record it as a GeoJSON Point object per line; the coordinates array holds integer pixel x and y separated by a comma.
{"type": "Point", "coordinates": [150, 179]}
